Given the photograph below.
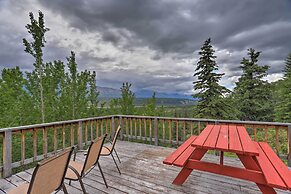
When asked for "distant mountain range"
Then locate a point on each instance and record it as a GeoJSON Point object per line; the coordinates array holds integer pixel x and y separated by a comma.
{"type": "Point", "coordinates": [165, 99]}
{"type": "Point", "coordinates": [106, 92]}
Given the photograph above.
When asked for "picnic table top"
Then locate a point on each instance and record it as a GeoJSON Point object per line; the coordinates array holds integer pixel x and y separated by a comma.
{"type": "Point", "coordinates": [227, 138]}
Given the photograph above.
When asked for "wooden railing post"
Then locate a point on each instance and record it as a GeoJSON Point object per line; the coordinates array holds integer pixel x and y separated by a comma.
{"type": "Point", "coordinates": [80, 136]}
{"type": "Point", "coordinates": [156, 127]}
{"type": "Point", "coordinates": [121, 131]}
{"type": "Point", "coordinates": [7, 154]}
{"type": "Point", "coordinates": [112, 127]}
{"type": "Point", "coordinates": [289, 146]}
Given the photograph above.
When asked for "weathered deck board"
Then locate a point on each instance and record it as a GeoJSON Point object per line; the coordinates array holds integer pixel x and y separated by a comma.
{"type": "Point", "coordinates": [143, 172]}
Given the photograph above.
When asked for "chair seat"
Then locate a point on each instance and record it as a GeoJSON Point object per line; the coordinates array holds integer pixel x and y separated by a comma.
{"type": "Point", "coordinates": [20, 189]}
{"type": "Point", "coordinates": [106, 151]}
{"type": "Point", "coordinates": [70, 173]}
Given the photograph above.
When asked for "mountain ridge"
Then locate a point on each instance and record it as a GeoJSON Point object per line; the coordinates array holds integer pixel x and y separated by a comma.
{"type": "Point", "coordinates": [107, 92]}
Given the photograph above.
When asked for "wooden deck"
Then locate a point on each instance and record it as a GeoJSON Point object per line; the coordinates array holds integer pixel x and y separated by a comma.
{"type": "Point", "coordinates": [143, 172]}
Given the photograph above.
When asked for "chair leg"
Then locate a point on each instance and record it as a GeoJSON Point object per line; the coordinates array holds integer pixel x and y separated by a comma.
{"type": "Point", "coordinates": [65, 189]}
{"type": "Point", "coordinates": [82, 185]}
{"type": "Point", "coordinates": [115, 163]}
{"type": "Point", "coordinates": [117, 155]}
{"type": "Point", "coordinates": [102, 174]}
{"type": "Point", "coordinates": [70, 182]}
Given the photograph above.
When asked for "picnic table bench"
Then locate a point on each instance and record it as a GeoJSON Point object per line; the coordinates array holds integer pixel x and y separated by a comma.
{"type": "Point", "coordinates": [262, 165]}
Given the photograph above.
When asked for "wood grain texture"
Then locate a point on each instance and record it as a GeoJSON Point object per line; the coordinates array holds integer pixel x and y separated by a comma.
{"type": "Point", "coordinates": [234, 140]}
{"type": "Point", "coordinates": [137, 177]}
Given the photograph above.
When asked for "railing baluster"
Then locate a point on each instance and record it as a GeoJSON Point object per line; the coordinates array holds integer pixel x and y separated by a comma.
{"type": "Point", "coordinates": [34, 144]}
{"type": "Point", "coordinates": [191, 128]}
{"type": "Point", "coordinates": [97, 129]}
{"type": "Point", "coordinates": [199, 127]}
{"type": "Point", "coordinates": [126, 129]}
{"type": "Point", "coordinates": [156, 127]}
{"type": "Point", "coordinates": [163, 124]}
{"type": "Point", "coordinates": [184, 130]}
{"type": "Point", "coordinates": [122, 129]}
{"type": "Point", "coordinates": [80, 135]}
{"type": "Point", "coordinates": [277, 139]}
{"type": "Point", "coordinates": [55, 140]}
{"type": "Point", "coordinates": [22, 147]}
{"type": "Point", "coordinates": [170, 131]}
{"type": "Point", "coordinates": [140, 135]}
{"type": "Point", "coordinates": [150, 128]}
{"type": "Point", "coordinates": [101, 127]}
{"type": "Point", "coordinates": [145, 130]}
{"type": "Point", "coordinates": [44, 142]}
{"type": "Point", "coordinates": [130, 122]}
{"type": "Point", "coordinates": [177, 132]}
{"type": "Point", "coordinates": [135, 129]}
{"type": "Point", "coordinates": [91, 130]}
{"type": "Point", "coordinates": [112, 127]}
{"type": "Point", "coordinates": [64, 136]}
{"type": "Point", "coordinates": [106, 126]}
{"type": "Point", "coordinates": [266, 133]}
{"type": "Point", "coordinates": [255, 132]}
{"type": "Point", "coordinates": [72, 135]}
{"type": "Point", "coordinates": [86, 132]}
{"type": "Point", "coordinates": [7, 154]}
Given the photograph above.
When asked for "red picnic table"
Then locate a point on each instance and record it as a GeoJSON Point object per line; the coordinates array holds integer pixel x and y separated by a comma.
{"type": "Point", "coordinates": [262, 165]}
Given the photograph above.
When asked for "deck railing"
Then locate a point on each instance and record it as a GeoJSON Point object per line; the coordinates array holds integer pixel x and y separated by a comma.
{"type": "Point", "coordinates": [26, 144]}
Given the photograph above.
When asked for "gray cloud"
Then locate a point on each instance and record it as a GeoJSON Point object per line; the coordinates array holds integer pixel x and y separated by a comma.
{"type": "Point", "coordinates": [153, 44]}
{"type": "Point", "coordinates": [175, 26]}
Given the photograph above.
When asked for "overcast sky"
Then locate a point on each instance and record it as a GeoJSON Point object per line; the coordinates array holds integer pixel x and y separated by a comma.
{"type": "Point", "coordinates": [153, 44]}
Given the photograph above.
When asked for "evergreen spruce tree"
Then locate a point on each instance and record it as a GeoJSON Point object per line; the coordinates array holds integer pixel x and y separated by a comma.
{"type": "Point", "coordinates": [210, 93]}
{"type": "Point", "coordinates": [287, 69]}
{"type": "Point", "coordinates": [283, 94]}
{"type": "Point", "coordinates": [253, 96]}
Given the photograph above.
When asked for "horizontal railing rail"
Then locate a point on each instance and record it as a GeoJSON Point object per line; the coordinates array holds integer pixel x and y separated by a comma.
{"type": "Point", "coordinates": [26, 144]}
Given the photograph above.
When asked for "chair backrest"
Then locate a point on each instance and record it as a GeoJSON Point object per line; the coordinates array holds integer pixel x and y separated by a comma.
{"type": "Point", "coordinates": [93, 153]}
{"type": "Point", "coordinates": [48, 176]}
{"type": "Point", "coordinates": [115, 136]}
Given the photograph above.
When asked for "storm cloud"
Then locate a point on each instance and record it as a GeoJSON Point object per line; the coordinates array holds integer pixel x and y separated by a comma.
{"type": "Point", "coordinates": [153, 44]}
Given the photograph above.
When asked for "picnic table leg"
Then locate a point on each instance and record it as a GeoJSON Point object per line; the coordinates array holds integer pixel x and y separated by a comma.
{"type": "Point", "coordinates": [185, 172]}
{"type": "Point", "coordinates": [221, 157]}
{"type": "Point", "coordinates": [250, 163]}
{"type": "Point", "coordinates": [266, 189]}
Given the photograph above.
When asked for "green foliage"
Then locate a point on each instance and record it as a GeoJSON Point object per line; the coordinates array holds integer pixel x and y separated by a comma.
{"type": "Point", "coordinates": [252, 95]}
{"type": "Point", "coordinates": [15, 101]}
{"type": "Point", "coordinates": [37, 30]}
{"type": "Point", "coordinates": [150, 108]}
{"type": "Point", "coordinates": [287, 69]}
{"type": "Point", "coordinates": [126, 102]}
{"type": "Point", "coordinates": [48, 93]}
{"type": "Point", "coordinates": [114, 106]}
{"type": "Point", "coordinates": [283, 95]}
{"type": "Point", "coordinates": [210, 93]}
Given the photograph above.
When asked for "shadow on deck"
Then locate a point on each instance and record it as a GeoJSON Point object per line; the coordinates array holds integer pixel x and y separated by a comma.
{"type": "Point", "coordinates": [143, 172]}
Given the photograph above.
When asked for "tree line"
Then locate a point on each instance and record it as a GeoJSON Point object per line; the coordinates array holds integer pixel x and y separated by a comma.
{"type": "Point", "coordinates": [52, 93]}
{"type": "Point", "coordinates": [252, 98]}
{"type": "Point", "coordinates": [56, 90]}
